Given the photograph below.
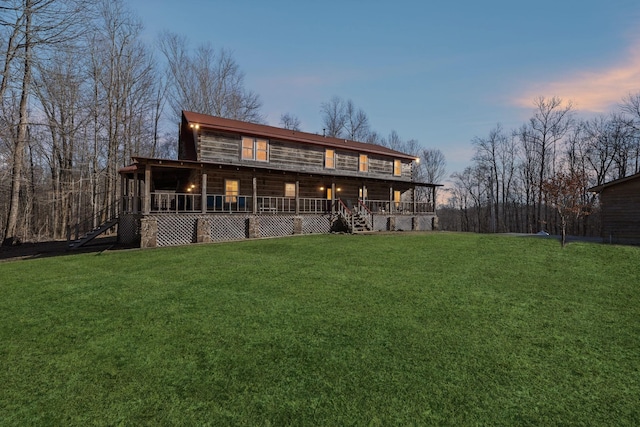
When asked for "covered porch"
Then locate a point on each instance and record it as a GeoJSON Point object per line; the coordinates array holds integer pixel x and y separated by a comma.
{"type": "Point", "coordinates": [165, 187]}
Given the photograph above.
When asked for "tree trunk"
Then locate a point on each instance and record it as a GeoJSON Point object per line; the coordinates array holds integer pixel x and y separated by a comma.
{"type": "Point", "coordinates": [11, 229]}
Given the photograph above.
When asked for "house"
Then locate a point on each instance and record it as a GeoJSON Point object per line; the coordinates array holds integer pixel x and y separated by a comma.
{"type": "Point", "coordinates": [620, 209]}
{"type": "Point", "coordinates": [236, 180]}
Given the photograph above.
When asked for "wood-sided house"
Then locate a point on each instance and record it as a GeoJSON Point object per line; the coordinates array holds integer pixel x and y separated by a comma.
{"type": "Point", "coordinates": [236, 180]}
{"type": "Point", "coordinates": [620, 210]}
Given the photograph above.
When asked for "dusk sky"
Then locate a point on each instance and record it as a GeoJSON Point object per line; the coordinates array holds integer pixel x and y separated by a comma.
{"type": "Point", "coordinates": [439, 72]}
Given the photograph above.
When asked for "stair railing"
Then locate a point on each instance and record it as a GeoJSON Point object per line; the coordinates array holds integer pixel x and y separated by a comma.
{"type": "Point", "coordinates": [365, 213]}
{"type": "Point", "coordinates": [345, 213]}
{"type": "Point", "coordinates": [106, 214]}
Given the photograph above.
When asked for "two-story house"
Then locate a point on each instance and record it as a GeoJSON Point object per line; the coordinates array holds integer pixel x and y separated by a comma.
{"type": "Point", "coordinates": [236, 180]}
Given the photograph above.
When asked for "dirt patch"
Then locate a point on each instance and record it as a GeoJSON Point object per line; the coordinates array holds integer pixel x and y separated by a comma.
{"type": "Point", "coordinates": [55, 248]}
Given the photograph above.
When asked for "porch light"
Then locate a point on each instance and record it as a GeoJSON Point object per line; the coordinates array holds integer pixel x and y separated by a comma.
{"type": "Point", "coordinates": [338, 189]}
{"type": "Point", "coordinates": [418, 160]}
{"type": "Point", "coordinates": [321, 188]}
{"type": "Point", "coordinates": [194, 126]}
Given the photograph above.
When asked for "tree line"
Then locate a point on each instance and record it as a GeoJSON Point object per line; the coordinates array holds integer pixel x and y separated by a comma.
{"type": "Point", "coordinates": [81, 92]}
{"type": "Point", "coordinates": [509, 187]}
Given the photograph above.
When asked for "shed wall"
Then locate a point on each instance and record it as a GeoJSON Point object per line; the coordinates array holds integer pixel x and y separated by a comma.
{"type": "Point", "coordinates": [620, 210]}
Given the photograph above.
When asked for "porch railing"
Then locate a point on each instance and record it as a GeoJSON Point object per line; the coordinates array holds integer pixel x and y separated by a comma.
{"type": "Point", "coordinates": [167, 202]}
{"type": "Point", "coordinates": [403, 208]}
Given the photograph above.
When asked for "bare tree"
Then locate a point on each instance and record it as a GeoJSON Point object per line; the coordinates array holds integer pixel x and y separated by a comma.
{"type": "Point", "coordinates": [209, 81]}
{"type": "Point", "coordinates": [35, 26]}
{"type": "Point", "coordinates": [550, 122]}
{"type": "Point", "coordinates": [290, 121]}
{"type": "Point", "coordinates": [333, 117]}
{"type": "Point", "coordinates": [59, 89]}
{"type": "Point", "coordinates": [342, 119]}
{"type": "Point", "coordinates": [357, 123]}
{"type": "Point", "coordinates": [124, 98]}
{"type": "Point", "coordinates": [433, 164]}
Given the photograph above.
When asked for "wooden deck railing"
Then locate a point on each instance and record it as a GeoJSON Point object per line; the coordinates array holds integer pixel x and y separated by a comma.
{"type": "Point", "coordinates": [167, 202]}
{"type": "Point", "coordinates": [402, 208]}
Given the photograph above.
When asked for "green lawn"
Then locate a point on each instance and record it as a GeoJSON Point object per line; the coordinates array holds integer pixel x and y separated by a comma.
{"type": "Point", "coordinates": [403, 329]}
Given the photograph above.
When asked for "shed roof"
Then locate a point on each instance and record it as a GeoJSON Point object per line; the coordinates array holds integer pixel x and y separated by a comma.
{"type": "Point", "coordinates": [271, 132]}
{"type": "Point", "coordinates": [599, 188]}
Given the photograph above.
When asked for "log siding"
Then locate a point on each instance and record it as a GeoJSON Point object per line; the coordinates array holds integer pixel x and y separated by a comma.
{"type": "Point", "coordinates": [219, 147]}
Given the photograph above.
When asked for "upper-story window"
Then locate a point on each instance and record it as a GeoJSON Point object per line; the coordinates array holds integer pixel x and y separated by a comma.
{"type": "Point", "coordinates": [329, 158]}
{"type": "Point", "coordinates": [255, 149]}
{"type": "Point", "coordinates": [397, 167]}
{"type": "Point", "coordinates": [363, 163]}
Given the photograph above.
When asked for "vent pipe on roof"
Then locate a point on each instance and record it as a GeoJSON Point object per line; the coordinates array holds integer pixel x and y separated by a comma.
{"type": "Point", "coordinates": [324, 132]}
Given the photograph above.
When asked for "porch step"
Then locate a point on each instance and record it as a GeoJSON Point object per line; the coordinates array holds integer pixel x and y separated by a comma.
{"type": "Point", "coordinates": [356, 223]}
{"type": "Point", "coordinates": [93, 234]}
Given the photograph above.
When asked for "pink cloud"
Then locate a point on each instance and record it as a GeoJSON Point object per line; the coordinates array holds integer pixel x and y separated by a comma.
{"type": "Point", "coordinates": [595, 91]}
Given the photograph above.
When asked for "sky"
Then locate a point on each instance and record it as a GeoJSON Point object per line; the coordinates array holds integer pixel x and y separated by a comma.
{"type": "Point", "coordinates": [440, 72]}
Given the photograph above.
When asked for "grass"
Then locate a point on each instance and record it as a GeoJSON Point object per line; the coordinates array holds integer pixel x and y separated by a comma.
{"type": "Point", "coordinates": [407, 329]}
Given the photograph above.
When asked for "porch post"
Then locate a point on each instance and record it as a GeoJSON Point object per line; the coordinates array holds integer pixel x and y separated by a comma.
{"type": "Point", "coordinates": [124, 184]}
{"type": "Point", "coordinates": [255, 195]}
{"type": "Point", "coordinates": [136, 192]}
{"type": "Point", "coordinates": [433, 206]}
{"type": "Point", "coordinates": [147, 190]}
{"type": "Point", "coordinates": [413, 200]}
{"type": "Point", "coordinates": [297, 197]}
{"type": "Point", "coordinates": [204, 192]}
{"type": "Point", "coordinates": [391, 199]}
{"type": "Point", "coordinates": [333, 196]}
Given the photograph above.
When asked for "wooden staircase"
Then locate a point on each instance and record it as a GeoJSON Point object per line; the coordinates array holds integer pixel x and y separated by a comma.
{"type": "Point", "coordinates": [359, 224]}
{"type": "Point", "coordinates": [356, 220]}
{"type": "Point", "coordinates": [90, 235]}
{"type": "Point", "coordinates": [88, 231]}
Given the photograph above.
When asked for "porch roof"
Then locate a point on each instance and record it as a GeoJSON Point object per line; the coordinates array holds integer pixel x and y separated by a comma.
{"type": "Point", "coordinates": [139, 163]}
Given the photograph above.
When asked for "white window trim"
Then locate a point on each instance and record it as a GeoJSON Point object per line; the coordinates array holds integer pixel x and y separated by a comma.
{"type": "Point", "coordinates": [333, 158]}
{"type": "Point", "coordinates": [254, 150]}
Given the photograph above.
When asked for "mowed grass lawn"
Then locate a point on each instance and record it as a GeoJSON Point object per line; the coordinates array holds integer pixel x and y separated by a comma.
{"type": "Point", "coordinates": [402, 329]}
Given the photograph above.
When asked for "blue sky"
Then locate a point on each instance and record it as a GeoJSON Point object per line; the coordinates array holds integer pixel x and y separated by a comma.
{"type": "Point", "coordinates": [439, 72]}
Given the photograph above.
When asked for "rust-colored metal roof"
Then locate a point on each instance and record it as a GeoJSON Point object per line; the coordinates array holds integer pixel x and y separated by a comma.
{"type": "Point", "coordinates": [129, 169]}
{"type": "Point", "coordinates": [271, 132]}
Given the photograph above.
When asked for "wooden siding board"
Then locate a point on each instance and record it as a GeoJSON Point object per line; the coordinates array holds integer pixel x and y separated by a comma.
{"type": "Point", "coordinates": [214, 147]}
{"type": "Point", "coordinates": [218, 147]}
{"type": "Point", "coordinates": [620, 210]}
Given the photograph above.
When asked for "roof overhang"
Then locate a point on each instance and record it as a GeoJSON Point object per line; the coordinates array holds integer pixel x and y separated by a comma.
{"type": "Point", "coordinates": [599, 188]}
{"type": "Point", "coordinates": [139, 164]}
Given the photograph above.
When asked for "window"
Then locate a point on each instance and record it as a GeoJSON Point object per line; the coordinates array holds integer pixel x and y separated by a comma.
{"type": "Point", "coordinates": [289, 190]}
{"type": "Point", "coordinates": [397, 167]}
{"type": "Point", "coordinates": [329, 159]}
{"type": "Point", "coordinates": [396, 198]}
{"type": "Point", "coordinates": [363, 164]}
{"type": "Point", "coordinates": [247, 148]}
{"type": "Point", "coordinates": [262, 150]}
{"type": "Point", "coordinates": [231, 190]}
{"type": "Point", "coordinates": [255, 149]}
{"type": "Point", "coordinates": [329, 194]}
